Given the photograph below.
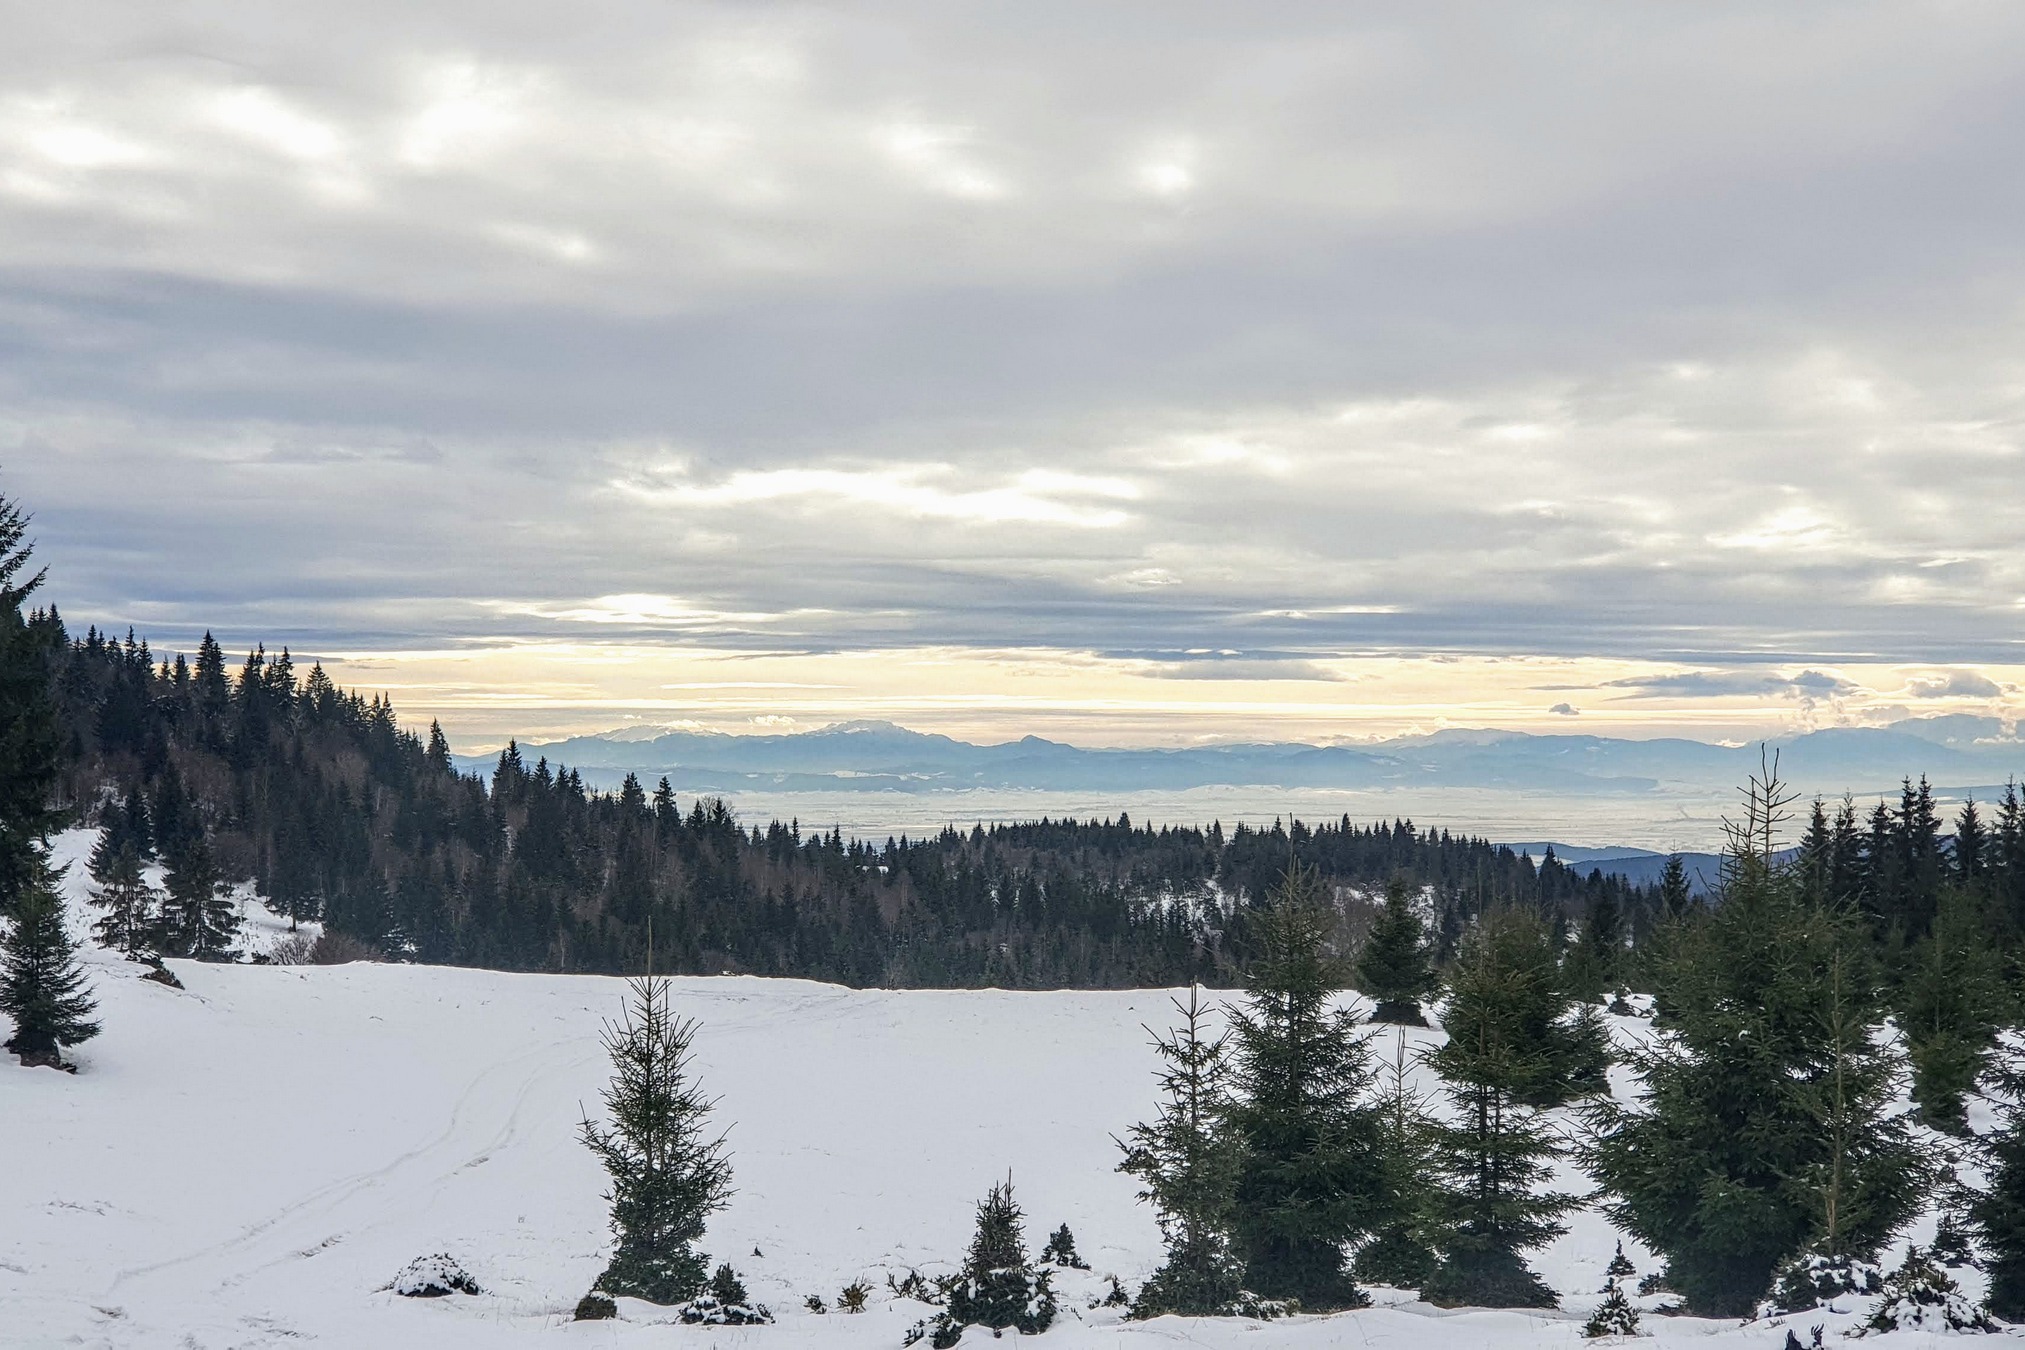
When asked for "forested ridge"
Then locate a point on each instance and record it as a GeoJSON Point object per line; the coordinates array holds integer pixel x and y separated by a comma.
{"type": "Point", "coordinates": [338, 813]}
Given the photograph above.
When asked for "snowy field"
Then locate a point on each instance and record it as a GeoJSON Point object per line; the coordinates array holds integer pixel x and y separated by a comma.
{"type": "Point", "coordinates": [249, 1161]}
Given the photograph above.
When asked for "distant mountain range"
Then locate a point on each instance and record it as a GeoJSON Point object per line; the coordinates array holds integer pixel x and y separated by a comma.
{"type": "Point", "coordinates": [1639, 866]}
{"type": "Point", "coordinates": [1957, 753]}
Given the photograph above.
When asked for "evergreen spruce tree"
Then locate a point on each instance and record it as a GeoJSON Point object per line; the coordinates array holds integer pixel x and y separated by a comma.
{"type": "Point", "coordinates": [29, 735]}
{"type": "Point", "coordinates": [1061, 1250]}
{"type": "Point", "coordinates": [123, 829]}
{"type": "Point", "coordinates": [1920, 1296]}
{"type": "Point", "coordinates": [1951, 1000]}
{"type": "Point", "coordinates": [1764, 1132]}
{"type": "Point", "coordinates": [1872, 1175]}
{"type": "Point", "coordinates": [1677, 912]}
{"type": "Point", "coordinates": [1615, 1316]}
{"type": "Point", "coordinates": [1313, 1178]}
{"type": "Point", "coordinates": [1917, 837]}
{"type": "Point", "coordinates": [1971, 858]}
{"type": "Point", "coordinates": [1398, 1253]}
{"type": "Point", "coordinates": [998, 1287]}
{"type": "Point", "coordinates": [667, 1174]}
{"type": "Point", "coordinates": [1187, 1162]}
{"type": "Point", "coordinates": [438, 754]}
{"type": "Point", "coordinates": [1493, 1155]}
{"type": "Point", "coordinates": [1582, 1039]}
{"type": "Point", "coordinates": [1675, 897]}
{"type": "Point", "coordinates": [1997, 1212]}
{"type": "Point", "coordinates": [2004, 864]}
{"type": "Point", "coordinates": [1594, 964]}
{"type": "Point", "coordinates": [1395, 969]}
{"type": "Point", "coordinates": [129, 922]}
{"type": "Point", "coordinates": [41, 985]}
{"type": "Point", "coordinates": [198, 920]}
{"type": "Point", "coordinates": [1561, 1048]}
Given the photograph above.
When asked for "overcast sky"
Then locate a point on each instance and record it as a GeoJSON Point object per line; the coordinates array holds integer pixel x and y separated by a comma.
{"type": "Point", "coordinates": [1124, 373]}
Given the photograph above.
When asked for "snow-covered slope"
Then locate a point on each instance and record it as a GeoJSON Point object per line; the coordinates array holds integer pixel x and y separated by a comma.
{"type": "Point", "coordinates": [251, 1160]}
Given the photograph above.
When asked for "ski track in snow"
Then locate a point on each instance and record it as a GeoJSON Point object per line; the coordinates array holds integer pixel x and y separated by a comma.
{"type": "Point", "coordinates": [316, 1208]}
{"type": "Point", "coordinates": [247, 1163]}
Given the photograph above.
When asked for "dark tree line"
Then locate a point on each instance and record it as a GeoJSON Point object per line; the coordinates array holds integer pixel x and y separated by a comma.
{"type": "Point", "coordinates": [1942, 910]}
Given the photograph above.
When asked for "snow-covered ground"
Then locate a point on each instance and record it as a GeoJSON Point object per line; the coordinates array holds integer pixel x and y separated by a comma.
{"type": "Point", "coordinates": [250, 1161]}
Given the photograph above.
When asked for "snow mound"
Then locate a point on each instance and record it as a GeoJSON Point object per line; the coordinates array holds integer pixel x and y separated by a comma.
{"type": "Point", "coordinates": [707, 1311]}
{"type": "Point", "coordinates": [433, 1277]}
{"type": "Point", "coordinates": [1920, 1296]}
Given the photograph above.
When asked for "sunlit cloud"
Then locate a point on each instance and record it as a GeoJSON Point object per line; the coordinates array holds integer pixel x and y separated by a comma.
{"type": "Point", "coordinates": [1793, 529]}
{"type": "Point", "coordinates": [266, 119]}
{"type": "Point", "coordinates": [465, 112]}
{"type": "Point", "coordinates": [642, 611]}
{"type": "Point", "coordinates": [940, 158]}
{"type": "Point", "coordinates": [1037, 496]}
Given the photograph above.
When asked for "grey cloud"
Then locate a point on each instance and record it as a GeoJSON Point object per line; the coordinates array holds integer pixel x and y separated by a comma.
{"type": "Point", "coordinates": [1633, 333]}
{"type": "Point", "coordinates": [1734, 683]}
{"type": "Point", "coordinates": [1240, 666]}
{"type": "Point", "coordinates": [1565, 710]}
{"type": "Point", "coordinates": [1954, 684]}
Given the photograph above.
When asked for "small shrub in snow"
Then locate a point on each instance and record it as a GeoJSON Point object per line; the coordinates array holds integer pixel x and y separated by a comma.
{"type": "Point", "coordinates": [342, 949]}
{"type": "Point", "coordinates": [1248, 1304]}
{"type": "Point", "coordinates": [851, 1298]}
{"type": "Point", "coordinates": [724, 1304]}
{"type": "Point", "coordinates": [814, 1303]}
{"type": "Point", "coordinates": [1061, 1250]}
{"type": "Point", "coordinates": [1115, 1298]}
{"type": "Point", "coordinates": [1920, 1296]}
{"type": "Point", "coordinates": [709, 1311]}
{"type": "Point", "coordinates": [1620, 1266]}
{"type": "Point", "coordinates": [726, 1287]}
{"type": "Point", "coordinates": [932, 1292]}
{"type": "Point", "coordinates": [1793, 1342]}
{"type": "Point", "coordinates": [1614, 1316]}
{"type": "Point", "coordinates": [297, 949]}
{"type": "Point", "coordinates": [939, 1332]}
{"type": "Point", "coordinates": [1813, 1281]}
{"type": "Point", "coordinates": [1952, 1245]}
{"type": "Point", "coordinates": [1022, 1300]}
{"type": "Point", "coordinates": [1656, 1283]}
{"type": "Point", "coordinates": [596, 1308]}
{"type": "Point", "coordinates": [161, 974]}
{"type": "Point", "coordinates": [996, 1288]}
{"type": "Point", "coordinates": [433, 1277]}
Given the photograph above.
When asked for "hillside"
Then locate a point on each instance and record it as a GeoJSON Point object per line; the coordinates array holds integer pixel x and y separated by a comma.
{"type": "Point", "coordinates": [247, 1162]}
